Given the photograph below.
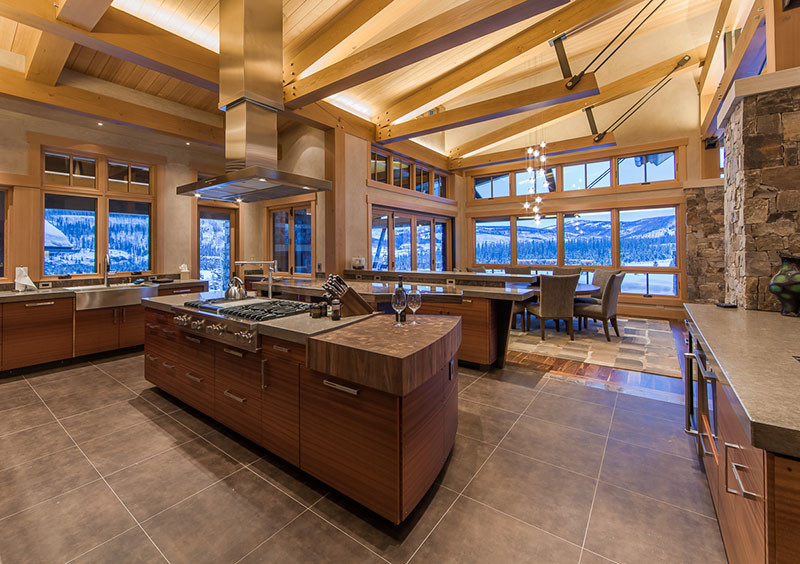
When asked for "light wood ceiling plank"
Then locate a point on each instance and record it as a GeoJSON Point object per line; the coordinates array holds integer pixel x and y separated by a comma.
{"type": "Point", "coordinates": [7, 30]}
{"type": "Point", "coordinates": [47, 59]}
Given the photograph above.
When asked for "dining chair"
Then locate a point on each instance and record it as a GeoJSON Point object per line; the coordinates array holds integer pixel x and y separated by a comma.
{"type": "Point", "coordinates": [556, 297]}
{"type": "Point", "coordinates": [599, 278]}
{"type": "Point", "coordinates": [476, 269]}
{"type": "Point", "coordinates": [606, 310]}
{"type": "Point", "coordinates": [566, 270]}
{"type": "Point", "coordinates": [518, 269]}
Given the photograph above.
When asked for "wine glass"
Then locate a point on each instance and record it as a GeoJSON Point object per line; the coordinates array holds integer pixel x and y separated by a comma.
{"type": "Point", "coordinates": [399, 304]}
{"type": "Point", "coordinates": [414, 303]}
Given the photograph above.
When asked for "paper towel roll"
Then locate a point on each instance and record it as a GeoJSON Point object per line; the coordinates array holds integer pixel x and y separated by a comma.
{"type": "Point", "coordinates": [22, 281]}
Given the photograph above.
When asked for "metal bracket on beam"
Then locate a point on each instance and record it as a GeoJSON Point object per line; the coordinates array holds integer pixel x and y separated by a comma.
{"type": "Point", "coordinates": [590, 117]}
{"type": "Point", "coordinates": [561, 54]}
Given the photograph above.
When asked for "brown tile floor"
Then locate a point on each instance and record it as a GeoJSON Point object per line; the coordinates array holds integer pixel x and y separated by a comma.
{"type": "Point", "coordinates": [98, 466]}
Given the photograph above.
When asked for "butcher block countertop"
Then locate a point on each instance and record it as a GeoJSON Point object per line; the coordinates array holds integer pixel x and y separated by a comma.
{"type": "Point", "coordinates": [378, 355]}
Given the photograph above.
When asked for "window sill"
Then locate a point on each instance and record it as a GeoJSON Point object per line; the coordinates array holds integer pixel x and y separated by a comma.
{"type": "Point", "coordinates": [408, 192]}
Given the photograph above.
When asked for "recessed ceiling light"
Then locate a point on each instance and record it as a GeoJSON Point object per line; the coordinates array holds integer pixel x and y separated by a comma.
{"type": "Point", "coordinates": [100, 123]}
{"type": "Point", "coordinates": [197, 194]}
{"type": "Point", "coordinates": [238, 200]}
{"type": "Point", "coordinates": [262, 179]}
{"type": "Point", "coordinates": [187, 143]}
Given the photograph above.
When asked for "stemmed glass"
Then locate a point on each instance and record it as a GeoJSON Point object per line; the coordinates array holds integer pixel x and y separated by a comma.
{"type": "Point", "coordinates": [399, 304]}
{"type": "Point", "coordinates": [414, 303]}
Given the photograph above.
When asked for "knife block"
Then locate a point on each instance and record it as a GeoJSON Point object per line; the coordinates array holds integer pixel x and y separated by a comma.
{"type": "Point", "coordinates": [354, 304]}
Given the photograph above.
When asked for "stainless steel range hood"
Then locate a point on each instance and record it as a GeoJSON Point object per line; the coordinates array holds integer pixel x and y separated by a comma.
{"type": "Point", "coordinates": [251, 94]}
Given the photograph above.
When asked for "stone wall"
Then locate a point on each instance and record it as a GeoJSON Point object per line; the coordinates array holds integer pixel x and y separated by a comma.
{"type": "Point", "coordinates": [762, 194]}
{"type": "Point", "coordinates": [705, 244]}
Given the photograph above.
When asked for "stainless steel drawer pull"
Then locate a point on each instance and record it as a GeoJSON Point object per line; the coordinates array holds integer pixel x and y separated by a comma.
{"type": "Point", "coordinates": [735, 467]}
{"type": "Point", "coordinates": [152, 326]}
{"type": "Point", "coordinates": [233, 397]}
{"type": "Point", "coordinates": [345, 389]}
{"type": "Point", "coordinates": [40, 304]}
{"type": "Point", "coordinates": [168, 331]}
{"type": "Point", "coordinates": [168, 366]}
{"type": "Point", "coordinates": [233, 352]}
{"type": "Point", "coordinates": [263, 383]}
{"type": "Point", "coordinates": [466, 301]}
{"type": "Point", "coordinates": [280, 349]}
{"type": "Point", "coordinates": [186, 291]}
{"type": "Point", "coordinates": [192, 339]}
{"type": "Point", "coordinates": [193, 378]}
{"type": "Point", "coordinates": [152, 358]}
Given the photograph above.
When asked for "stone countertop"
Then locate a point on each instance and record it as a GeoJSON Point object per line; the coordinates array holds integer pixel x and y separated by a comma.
{"type": "Point", "coordinates": [376, 354]}
{"type": "Point", "coordinates": [69, 292]}
{"type": "Point", "coordinates": [473, 277]}
{"type": "Point", "coordinates": [758, 352]}
{"type": "Point", "coordinates": [295, 328]}
{"type": "Point", "coordinates": [384, 290]}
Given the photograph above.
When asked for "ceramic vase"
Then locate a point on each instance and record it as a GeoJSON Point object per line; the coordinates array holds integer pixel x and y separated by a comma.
{"type": "Point", "coordinates": [786, 285]}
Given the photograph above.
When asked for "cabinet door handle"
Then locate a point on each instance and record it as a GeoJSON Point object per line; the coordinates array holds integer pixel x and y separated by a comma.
{"type": "Point", "coordinates": [168, 366]}
{"type": "Point", "coordinates": [234, 397]}
{"type": "Point", "coordinates": [233, 352]}
{"type": "Point", "coordinates": [124, 316]}
{"type": "Point", "coordinates": [152, 326]}
{"type": "Point", "coordinates": [345, 389]}
{"type": "Point", "coordinates": [185, 291]}
{"type": "Point", "coordinates": [168, 331]}
{"type": "Point", "coordinates": [116, 311]}
{"type": "Point", "coordinates": [263, 363]}
{"type": "Point", "coordinates": [466, 301]}
{"type": "Point", "coordinates": [192, 339]}
{"type": "Point", "coordinates": [40, 304]}
{"type": "Point", "coordinates": [281, 349]}
{"type": "Point", "coordinates": [152, 358]}
{"type": "Point", "coordinates": [735, 467]}
{"type": "Point", "coordinates": [193, 378]}
{"type": "Point", "coordinates": [688, 399]}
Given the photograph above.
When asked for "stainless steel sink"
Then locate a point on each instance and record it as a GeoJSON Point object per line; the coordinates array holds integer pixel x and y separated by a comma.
{"type": "Point", "coordinates": [98, 297]}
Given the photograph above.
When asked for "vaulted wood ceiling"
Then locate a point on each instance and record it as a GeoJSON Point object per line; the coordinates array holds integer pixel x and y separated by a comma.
{"type": "Point", "coordinates": [166, 50]}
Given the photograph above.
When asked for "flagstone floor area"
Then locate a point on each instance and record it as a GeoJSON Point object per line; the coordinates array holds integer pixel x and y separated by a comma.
{"type": "Point", "coordinates": [97, 466]}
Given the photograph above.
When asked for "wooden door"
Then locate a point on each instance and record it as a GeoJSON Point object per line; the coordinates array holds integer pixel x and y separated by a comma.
{"type": "Point", "coordinates": [131, 326]}
{"type": "Point", "coordinates": [96, 330]}
{"type": "Point", "coordinates": [37, 331]}
{"type": "Point", "coordinates": [280, 407]}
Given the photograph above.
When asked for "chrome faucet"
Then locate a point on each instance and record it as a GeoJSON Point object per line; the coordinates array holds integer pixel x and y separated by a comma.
{"type": "Point", "coordinates": [271, 266]}
{"type": "Point", "coordinates": [106, 269]}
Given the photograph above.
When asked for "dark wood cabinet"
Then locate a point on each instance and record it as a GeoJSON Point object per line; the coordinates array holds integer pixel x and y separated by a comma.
{"type": "Point", "coordinates": [96, 330]}
{"type": "Point", "coordinates": [131, 326]}
{"type": "Point", "coordinates": [37, 331]}
{"type": "Point", "coordinates": [479, 328]}
{"type": "Point", "coordinates": [237, 390]}
{"type": "Point", "coordinates": [280, 407]}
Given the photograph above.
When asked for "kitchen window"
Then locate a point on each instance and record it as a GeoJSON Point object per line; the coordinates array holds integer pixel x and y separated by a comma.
{"type": "Point", "coordinates": [128, 178]}
{"type": "Point", "coordinates": [404, 241]}
{"type": "Point", "coordinates": [422, 180]}
{"type": "Point", "coordinates": [648, 240]}
{"type": "Point", "coordinates": [537, 243]}
{"type": "Point", "coordinates": [487, 187]}
{"type": "Point", "coordinates": [69, 170]}
{"type": "Point", "coordinates": [585, 176]}
{"type": "Point", "coordinates": [292, 233]}
{"type": "Point", "coordinates": [587, 239]}
{"type": "Point", "coordinates": [493, 241]}
{"type": "Point", "coordinates": [70, 235]}
{"type": "Point", "coordinates": [644, 169]}
{"type": "Point", "coordinates": [379, 164]}
{"type": "Point", "coordinates": [401, 173]}
{"type": "Point", "coordinates": [439, 185]}
{"type": "Point", "coordinates": [216, 246]}
{"type": "Point", "coordinates": [536, 182]}
{"type": "Point", "coordinates": [129, 236]}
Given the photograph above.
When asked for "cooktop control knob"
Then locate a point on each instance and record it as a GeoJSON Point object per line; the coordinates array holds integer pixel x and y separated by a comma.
{"type": "Point", "coordinates": [217, 328]}
{"type": "Point", "coordinates": [198, 323]}
{"type": "Point", "coordinates": [246, 336]}
{"type": "Point", "coordinates": [182, 320]}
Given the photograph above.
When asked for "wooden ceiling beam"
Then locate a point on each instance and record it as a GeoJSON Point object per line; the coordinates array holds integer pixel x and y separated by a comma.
{"type": "Point", "coordinates": [573, 14]}
{"type": "Point", "coordinates": [542, 96]}
{"type": "Point", "coordinates": [126, 37]}
{"type": "Point", "coordinates": [612, 91]}
{"type": "Point", "coordinates": [82, 13]}
{"type": "Point", "coordinates": [716, 35]}
{"type": "Point", "coordinates": [47, 58]}
{"type": "Point", "coordinates": [107, 109]}
{"type": "Point", "coordinates": [343, 25]}
{"type": "Point", "coordinates": [565, 146]}
{"type": "Point", "coordinates": [470, 20]}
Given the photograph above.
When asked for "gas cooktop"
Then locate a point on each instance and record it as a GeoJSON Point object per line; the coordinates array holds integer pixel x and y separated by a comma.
{"type": "Point", "coordinates": [264, 311]}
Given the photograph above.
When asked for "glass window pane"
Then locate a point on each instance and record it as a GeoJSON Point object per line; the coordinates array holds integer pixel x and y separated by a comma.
{"type": "Point", "coordinates": [501, 186]}
{"type": "Point", "coordinates": [634, 283]}
{"type": "Point", "coordinates": [56, 169]}
{"type": "Point", "coordinates": [441, 246]}
{"type": "Point", "coordinates": [660, 166]}
{"type": "Point", "coordinates": [402, 243]}
{"type": "Point", "coordinates": [663, 284]}
{"type": "Point", "coordinates": [69, 235]}
{"type": "Point", "coordinates": [648, 237]}
{"type": "Point", "coordinates": [423, 244]}
{"type": "Point", "coordinates": [401, 173]}
{"type": "Point", "coordinates": [423, 180]}
{"type": "Point", "coordinates": [380, 242]}
{"type": "Point", "coordinates": [2, 233]}
{"type": "Point", "coordinates": [547, 183]}
{"type": "Point", "coordinates": [302, 241]}
{"type": "Point", "coordinates": [280, 240]}
{"type": "Point", "coordinates": [537, 244]}
{"type": "Point", "coordinates": [379, 165]}
{"type": "Point", "coordinates": [140, 179]}
{"type": "Point", "coordinates": [631, 170]}
{"type": "Point", "coordinates": [129, 236]}
{"type": "Point", "coordinates": [574, 177]}
{"type": "Point", "coordinates": [598, 175]}
{"type": "Point", "coordinates": [440, 185]}
{"type": "Point", "coordinates": [117, 177]}
{"type": "Point", "coordinates": [483, 187]}
{"type": "Point", "coordinates": [84, 172]}
{"type": "Point", "coordinates": [215, 249]}
{"type": "Point", "coordinates": [525, 182]}
{"type": "Point", "coordinates": [587, 239]}
{"type": "Point", "coordinates": [493, 241]}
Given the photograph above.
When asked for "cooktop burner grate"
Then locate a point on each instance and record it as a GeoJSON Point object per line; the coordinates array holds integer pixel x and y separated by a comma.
{"type": "Point", "coordinates": [264, 311]}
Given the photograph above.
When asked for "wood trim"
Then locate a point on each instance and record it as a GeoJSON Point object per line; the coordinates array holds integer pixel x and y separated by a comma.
{"type": "Point", "coordinates": [82, 13]}
{"type": "Point", "coordinates": [555, 205]}
{"type": "Point", "coordinates": [425, 156]}
{"type": "Point", "coordinates": [324, 115]}
{"type": "Point", "coordinates": [783, 30]}
{"type": "Point", "coordinates": [409, 192]}
{"type": "Point", "coordinates": [90, 149]}
{"type": "Point", "coordinates": [468, 21]}
{"type": "Point", "coordinates": [538, 97]}
{"type": "Point", "coordinates": [716, 34]}
{"type": "Point", "coordinates": [573, 14]}
{"type": "Point", "coordinates": [47, 58]}
{"type": "Point", "coordinates": [409, 206]}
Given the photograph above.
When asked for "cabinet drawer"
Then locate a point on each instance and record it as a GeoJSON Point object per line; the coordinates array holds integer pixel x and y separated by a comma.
{"type": "Point", "coordinates": [238, 366]}
{"type": "Point", "coordinates": [283, 349]}
{"type": "Point", "coordinates": [196, 352]}
{"type": "Point", "coordinates": [349, 438]}
{"type": "Point", "coordinates": [37, 331]}
{"type": "Point", "coordinates": [162, 371]}
{"type": "Point", "coordinates": [280, 408]}
{"type": "Point", "coordinates": [182, 290]}
{"type": "Point", "coordinates": [196, 386]}
{"type": "Point", "coordinates": [238, 407]}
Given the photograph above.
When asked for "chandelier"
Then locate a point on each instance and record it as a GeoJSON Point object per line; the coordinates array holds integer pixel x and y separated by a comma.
{"type": "Point", "coordinates": [535, 159]}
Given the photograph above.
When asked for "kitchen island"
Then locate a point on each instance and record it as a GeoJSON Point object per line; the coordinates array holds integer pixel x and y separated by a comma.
{"type": "Point", "coordinates": [363, 406]}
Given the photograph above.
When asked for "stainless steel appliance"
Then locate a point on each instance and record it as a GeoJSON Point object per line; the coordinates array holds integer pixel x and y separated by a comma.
{"type": "Point", "coordinates": [700, 403]}
{"type": "Point", "coordinates": [233, 322]}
